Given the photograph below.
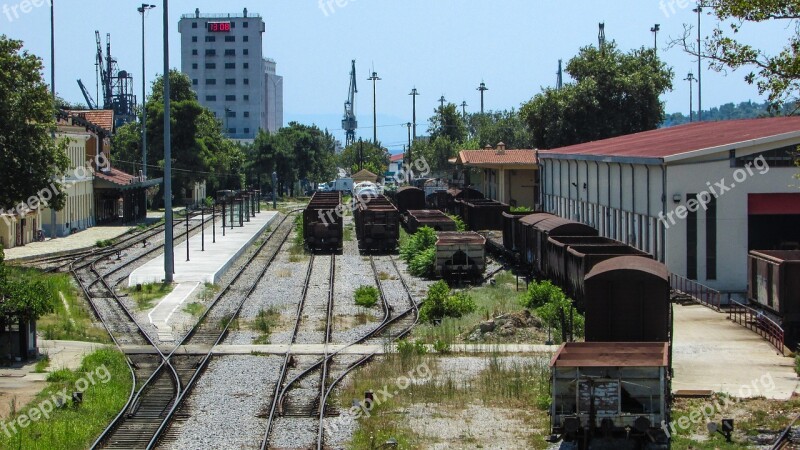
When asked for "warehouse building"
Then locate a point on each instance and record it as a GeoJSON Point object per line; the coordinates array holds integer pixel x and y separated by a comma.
{"type": "Point", "coordinates": [505, 175]}
{"type": "Point", "coordinates": [698, 196]}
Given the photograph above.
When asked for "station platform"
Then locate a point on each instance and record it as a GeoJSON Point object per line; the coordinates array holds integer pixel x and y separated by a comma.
{"type": "Point", "coordinates": [84, 240]}
{"type": "Point", "coordinates": [360, 349]}
{"type": "Point", "coordinates": [209, 265]}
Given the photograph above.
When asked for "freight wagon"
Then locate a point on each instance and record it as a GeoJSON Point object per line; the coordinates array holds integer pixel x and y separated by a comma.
{"type": "Point", "coordinates": [774, 285]}
{"type": "Point", "coordinates": [460, 254]}
{"type": "Point", "coordinates": [409, 198]}
{"type": "Point", "coordinates": [377, 225]}
{"type": "Point", "coordinates": [433, 218]}
{"type": "Point", "coordinates": [323, 222]}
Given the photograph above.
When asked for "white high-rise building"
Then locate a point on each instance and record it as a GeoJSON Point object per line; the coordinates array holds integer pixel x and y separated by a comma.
{"type": "Point", "coordinates": [223, 56]}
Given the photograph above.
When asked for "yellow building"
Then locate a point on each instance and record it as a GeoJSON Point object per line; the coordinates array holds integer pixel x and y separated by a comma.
{"type": "Point", "coordinates": [507, 176]}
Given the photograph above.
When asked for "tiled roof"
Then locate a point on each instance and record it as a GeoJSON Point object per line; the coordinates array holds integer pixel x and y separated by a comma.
{"type": "Point", "coordinates": [683, 139]}
{"type": "Point", "coordinates": [397, 158]}
{"type": "Point", "coordinates": [103, 118]}
{"type": "Point", "coordinates": [115, 176]}
{"type": "Point", "coordinates": [496, 157]}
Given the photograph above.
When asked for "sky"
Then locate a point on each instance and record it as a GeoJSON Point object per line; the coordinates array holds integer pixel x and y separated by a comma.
{"type": "Point", "coordinates": [441, 47]}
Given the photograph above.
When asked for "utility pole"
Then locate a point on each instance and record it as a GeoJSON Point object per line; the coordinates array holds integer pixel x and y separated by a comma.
{"type": "Point", "coordinates": [374, 78]}
{"type": "Point", "coordinates": [143, 9]}
{"type": "Point", "coordinates": [656, 28]}
{"type": "Point", "coordinates": [464, 108]}
{"type": "Point", "coordinates": [409, 135]}
{"type": "Point", "coordinates": [601, 37]}
{"type": "Point", "coordinates": [699, 11]}
{"type": "Point", "coordinates": [53, 231]}
{"type": "Point", "coordinates": [690, 78]}
{"type": "Point", "coordinates": [169, 256]}
{"type": "Point", "coordinates": [483, 89]}
{"type": "Point", "coordinates": [414, 93]}
{"type": "Point", "coordinates": [360, 154]}
{"type": "Point", "coordinates": [442, 101]}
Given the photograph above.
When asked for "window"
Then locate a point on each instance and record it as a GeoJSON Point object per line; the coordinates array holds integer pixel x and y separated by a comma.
{"type": "Point", "coordinates": [246, 65]}
{"type": "Point", "coordinates": [195, 82]}
{"type": "Point", "coordinates": [230, 81]}
{"type": "Point", "coordinates": [230, 98]}
{"type": "Point", "coordinates": [211, 98]}
{"type": "Point", "coordinates": [247, 113]}
{"type": "Point", "coordinates": [230, 113]}
{"type": "Point", "coordinates": [211, 39]}
{"type": "Point", "coordinates": [247, 131]}
{"type": "Point", "coordinates": [779, 157]}
{"type": "Point", "coordinates": [230, 52]}
{"type": "Point", "coordinates": [211, 65]}
{"type": "Point", "coordinates": [211, 52]}
{"type": "Point", "coordinates": [246, 38]}
{"type": "Point", "coordinates": [246, 24]}
{"type": "Point", "coordinates": [194, 52]}
{"type": "Point", "coordinates": [211, 81]}
{"type": "Point", "coordinates": [194, 38]}
{"type": "Point", "coordinates": [194, 65]}
{"type": "Point", "coordinates": [711, 239]}
{"type": "Point", "coordinates": [233, 24]}
{"type": "Point", "coordinates": [246, 98]}
{"type": "Point", "coordinates": [245, 52]}
{"type": "Point", "coordinates": [247, 81]}
{"type": "Point", "coordinates": [230, 65]}
{"type": "Point", "coordinates": [231, 130]}
{"type": "Point", "coordinates": [691, 241]}
{"type": "Point", "coordinates": [230, 38]}
{"type": "Point", "coordinates": [194, 24]}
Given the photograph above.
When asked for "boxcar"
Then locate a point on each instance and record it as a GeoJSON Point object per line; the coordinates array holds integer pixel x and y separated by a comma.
{"type": "Point", "coordinates": [510, 227]}
{"type": "Point", "coordinates": [521, 235]}
{"type": "Point", "coordinates": [409, 198]}
{"type": "Point", "coordinates": [439, 221]}
{"type": "Point", "coordinates": [580, 259]}
{"type": "Point", "coordinates": [556, 251]}
{"type": "Point", "coordinates": [322, 222]}
{"type": "Point", "coordinates": [775, 285]}
{"type": "Point", "coordinates": [554, 226]}
{"type": "Point", "coordinates": [627, 300]}
{"type": "Point", "coordinates": [614, 393]}
{"type": "Point", "coordinates": [460, 254]}
{"type": "Point", "coordinates": [377, 224]}
{"type": "Point", "coordinates": [481, 214]}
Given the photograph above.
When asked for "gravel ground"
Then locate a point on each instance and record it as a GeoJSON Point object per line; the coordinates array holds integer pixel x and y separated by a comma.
{"type": "Point", "coordinates": [225, 407]}
{"type": "Point", "coordinates": [315, 309]}
{"type": "Point", "coordinates": [352, 272]}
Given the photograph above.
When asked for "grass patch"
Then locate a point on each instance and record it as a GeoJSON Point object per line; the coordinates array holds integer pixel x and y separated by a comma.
{"type": "Point", "coordinates": [347, 232]}
{"type": "Point", "coordinates": [104, 243]}
{"type": "Point", "coordinates": [195, 309]}
{"type": "Point", "coordinates": [42, 364]}
{"type": "Point", "coordinates": [145, 294]}
{"type": "Point", "coordinates": [266, 321]}
{"type": "Point", "coordinates": [71, 319]}
{"type": "Point", "coordinates": [513, 387]}
{"type": "Point", "coordinates": [366, 296]}
{"type": "Point", "coordinates": [76, 427]}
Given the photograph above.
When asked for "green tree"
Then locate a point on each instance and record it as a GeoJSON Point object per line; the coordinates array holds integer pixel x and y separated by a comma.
{"type": "Point", "coordinates": [494, 127]}
{"type": "Point", "coordinates": [437, 152]}
{"type": "Point", "coordinates": [614, 94]}
{"type": "Point", "coordinates": [31, 158]}
{"type": "Point", "coordinates": [777, 75]}
{"type": "Point", "coordinates": [20, 298]}
{"type": "Point", "coordinates": [448, 122]}
{"type": "Point", "coordinates": [376, 157]}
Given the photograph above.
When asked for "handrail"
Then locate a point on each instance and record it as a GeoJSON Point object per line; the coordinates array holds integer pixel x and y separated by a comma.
{"type": "Point", "coordinates": [698, 292]}
{"type": "Point", "coordinates": [757, 322]}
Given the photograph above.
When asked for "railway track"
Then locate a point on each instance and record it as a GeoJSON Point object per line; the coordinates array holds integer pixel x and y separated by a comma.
{"type": "Point", "coordinates": [150, 412]}
{"type": "Point", "coordinates": [789, 439]}
{"type": "Point", "coordinates": [293, 401]}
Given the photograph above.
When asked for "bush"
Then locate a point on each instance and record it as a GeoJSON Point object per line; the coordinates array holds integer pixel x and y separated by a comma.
{"type": "Point", "coordinates": [540, 294]}
{"type": "Point", "coordinates": [441, 303]}
{"type": "Point", "coordinates": [299, 238]}
{"type": "Point", "coordinates": [407, 348]}
{"type": "Point", "coordinates": [551, 314]}
{"type": "Point", "coordinates": [366, 296]}
{"type": "Point", "coordinates": [424, 263]}
{"type": "Point", "coordinates": [441, 346]}
{"type": "Point", "coordinates": [521, 209]}
{"type": "Point", "coordinates": [460, 225]}
{"type": "Point", "coordinates": [423, 239]}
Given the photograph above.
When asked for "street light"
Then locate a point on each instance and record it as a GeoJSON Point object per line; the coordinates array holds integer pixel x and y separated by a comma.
{"type": "Point", "coordinates": [442, 101]}
{"type": "Point", "coordinates": [169, 255]}
{"type": "Point", "coordinates": [699, 11]}
{"type": "Point", "coordinates": [483, 89]}
{"type": "Point", "coordinates": [374, 78]}
{"type": "Point", "coordinates": [655, 29]}
{"type": "Point", "coordinates": [142, 10]}
{"type": "Point", "coordinates": [414, 93]}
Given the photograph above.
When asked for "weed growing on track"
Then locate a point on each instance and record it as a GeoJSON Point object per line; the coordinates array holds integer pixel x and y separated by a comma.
{"type": "Point", "coordinates": [266, 321]}
{"type": "Point", "coordinates": [195, 309]}
{"type": "Point", "coordinates": [145, 294]}
{"type": "Point", "coordinates": [75, 427]}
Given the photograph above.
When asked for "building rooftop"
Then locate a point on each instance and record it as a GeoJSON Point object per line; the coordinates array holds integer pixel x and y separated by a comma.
{"type": "Point", "coordinates": [103, 118]}
{"type": "Point", "coordinates": [612, 354]}
{"type": "Point", "coordinates": [397, 158]}
{"type": "Point", "coordinates": [497, 156]}
{"type": "Point", "coordinates": [684, 141]}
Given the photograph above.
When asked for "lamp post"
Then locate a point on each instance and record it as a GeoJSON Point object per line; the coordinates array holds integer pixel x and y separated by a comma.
{"type": "Point", "coordinates": [374, 78]}
{"type": "Point", "coordinates": [464, 108]}
{"type": "Point", "coordinates": [483, 89]}
{"type": "Point", "coordinates": [409, 142]}
{"type": "Point", "coordinates": [699, 11]}
{"type": "Point", "coordinates": [169, 256]}
{"type": "Point", "coordinates": [414, 93]}
{"type": "Point", "coordinates": [656, 28]}
{"type": "Point", "coordinates": [53, 230]}
{"type": "Point", "coordinates": [690, 78]}
{"type": "Point", "coordinates": [442, 101]}
{"type": "Point", "coordinates": [143, 9]}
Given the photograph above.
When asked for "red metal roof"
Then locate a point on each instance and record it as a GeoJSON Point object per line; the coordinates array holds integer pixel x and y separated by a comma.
{"type": "Point", "coordinates": [103, 118]}
{"type": "Point", "coordinates": [776, 204]}
{"type": "Point", "coordinates": [666, 142]}
{"type": "Point", "coordinates": [498, 157]}
{"type": "Point", "coordinates": [612, 354]}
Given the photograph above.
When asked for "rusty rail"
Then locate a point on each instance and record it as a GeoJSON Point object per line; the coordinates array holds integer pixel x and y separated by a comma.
{"type": "Point", "coordinates": [698, 292]}
{"type": "Point", "coordinates": [757, 322]}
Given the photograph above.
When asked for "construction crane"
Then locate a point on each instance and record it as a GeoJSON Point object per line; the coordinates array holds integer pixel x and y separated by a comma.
{"type": "Point", "coordinates": [349, 123]}
{"type": "Point", "coordinates": [89, 100]}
